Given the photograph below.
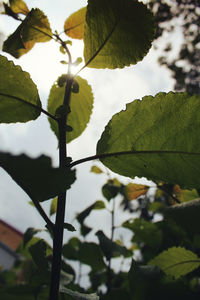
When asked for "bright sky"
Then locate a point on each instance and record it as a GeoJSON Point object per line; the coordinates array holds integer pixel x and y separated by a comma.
{"type": "Point", "coordinates": [112, 90]}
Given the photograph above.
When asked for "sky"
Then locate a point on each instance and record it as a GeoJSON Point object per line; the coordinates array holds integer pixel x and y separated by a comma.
{"type": "Point", "coordinates": [112, 90]}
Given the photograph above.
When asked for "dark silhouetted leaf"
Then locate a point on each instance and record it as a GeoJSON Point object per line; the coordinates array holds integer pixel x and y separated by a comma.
{"type": "Point", "coordinates": [36, 175]}
{"type": "Point", "coordinates": [30, 232]}
{"type": "Point", "coordinates": [91, 254]}
{"type": "Point", "coordinates": [109, 248]}
{"type": "Point", "coordinates": [97, 205]}
{"type": "Point", "coordinates": [185, 215]}
{"type": "Point", "coordinates": [69, 227]}
{"type": "Point", "coordinates": [142, 281]}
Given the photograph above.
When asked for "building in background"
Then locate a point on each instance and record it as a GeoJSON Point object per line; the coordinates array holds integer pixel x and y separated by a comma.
{"type": "Point", "coordinates": [10, 238]}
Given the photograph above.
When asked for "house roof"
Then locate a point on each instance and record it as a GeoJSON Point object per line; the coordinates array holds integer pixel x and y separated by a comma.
{"type": "Point", "coordinates": [9, 235]}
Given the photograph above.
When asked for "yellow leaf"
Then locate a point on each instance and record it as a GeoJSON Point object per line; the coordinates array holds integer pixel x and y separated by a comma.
{"type": "Point", "coordinates": [74, 25]}
{"type": "Point", "coordinates": [185, 195]}
{"type": "Point", "coordinates": [53, 207]}
{"type": "Point", "coordinates": [96, 170]}
{"type": "Point", "coordinates": [133, 191]}
{"type": "Point", "coordinates": [19, 7]}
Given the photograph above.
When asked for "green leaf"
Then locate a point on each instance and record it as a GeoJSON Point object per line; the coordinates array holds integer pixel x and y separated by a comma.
{"type": "Point", "coordinates": [91, 254]}
{"type": "Point", "coordinates": [69, 227]}
{"type": "Point", "coordinates": [81, 104]}
{"type": "Point", "coordinates": [176, 261]}
{"type": "Point", "coordinates": [110, 190]}
{"type": "Point", "coordinates": [117, 33]}
{"type": "Point", "coordinates": [36, 176]}
{"type": "Point", "coordinates": [74, 25]}
{"type": "Point", "coordinates": [185, 215]}
{"type": "Point", "coordinates": [38, 253]}
{"type": "Point", "coordinates": [84, 230]}
{"type": "Point", "coordinates": [53, 207]}
{"type": "Point", "coordinates": [96, 170]}
{"type": "Point", "coordinates": [110, 248]}
{"type": "Point", "coordinates": [160, 135]}
{"type": "Point", "coordinates": [142, 280]}
{"type": "Point", "coordinates": [78, 296]}
{"type": "Point", "coordinates": [34, 28]}
{"type": "Point", "coordinates": [30, 232]}
{"type": "Point", "coordinates": [71, 249]}
{"type": "Point", "coordinates": [185, 195]}
{"type": "Point", "coordinates": [19, 7]}
{"type": "Point", "coordinates": [19, 99]}
{"type": "Point", "coordinates": [97, 205]}
{"type": "Point", "coordinates": [144, 232]}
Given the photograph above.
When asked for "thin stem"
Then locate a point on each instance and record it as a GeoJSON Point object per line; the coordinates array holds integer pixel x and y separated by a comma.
{"type": "Point", "coordinates": [58, 38]}
{"type": "Point", "coordinates": [60, 215]}
{"type": "Point", "coordinates": [106, 155]}
{"type": "Point", "coordinates": [43, 214]}
{"type": "Point", "coordinates": [109, 271]}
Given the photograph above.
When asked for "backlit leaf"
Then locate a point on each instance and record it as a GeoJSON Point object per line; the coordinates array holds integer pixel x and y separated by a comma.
{"type": "Point", "coordinates": [19, 99]}
{"type": "Point", "coordinates": [53, 207]}
{"type": "Point", "coordinates": [34, 28]}
{"type": "Point", "coordinates": [74, 25]}
{"type": "Point", "coordinates": [176, 261]}
{"type": "Point", "coordinates": [36, 176]}
{"type": "Point", "coordinates": [81, 104]}
{"type": "Point", "coordinates": [185, 195]}
{"type": "Point", "coordinates": [160, 135]}
{"type": "Point", "coordinates": [117, 33]}
{"type": "Point", "coordinates": [19, 7]}
{"type": "Point", "coordinates": [96, 170]}
{"type": "Point", "coordinates": [133, 190]}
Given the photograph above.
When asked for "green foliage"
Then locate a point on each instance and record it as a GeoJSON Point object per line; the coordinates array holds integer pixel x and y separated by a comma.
{"type": "Point", "coordinates": [156, 137]}
{"type": "Point", "coordinates": [16, 7]}
{"type": "Point", "coordinates": [185, 215]}
{"type": "Point", "coordinates": [176, 261]}
{"type": "Point", "coordinates": [142, 280]}
{"type": "Point", "coordinates": [164, 147]}
{"type": "Point", "coordinates": [81, 104]}
{"type": "Point", "coordinates": [35, 28]}
{"type": "Point", "coordinates": [19, 99]}
{"type": "Point", "coordinates": [144, 232]}
{"type": "Point", "coordinates": [96, 170]}
{"type": "Point", "coordinates": [125, 37]}
{"type": "Point", "coordinates": [53, 206]}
